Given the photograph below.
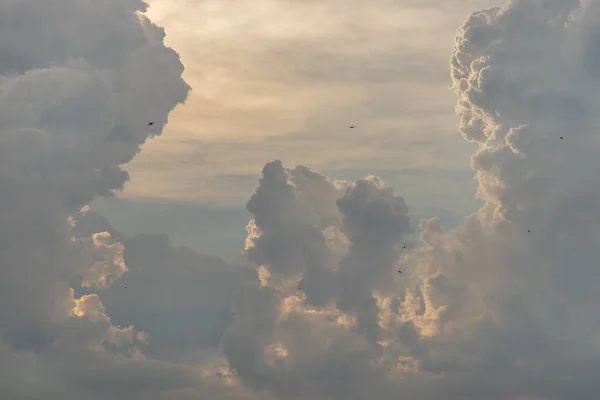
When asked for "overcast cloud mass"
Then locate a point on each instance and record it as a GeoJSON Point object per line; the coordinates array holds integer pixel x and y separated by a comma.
{"type": "Point", "coordinates": [504, 307]}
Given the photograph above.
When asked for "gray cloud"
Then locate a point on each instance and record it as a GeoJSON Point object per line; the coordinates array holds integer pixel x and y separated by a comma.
{"type": "Point", "coordinates": [71, 74]}
{"type": "Point", "coordinates": [492, 311]}
{"type": "Point", "coordinates": [181, 299]}
{"type": "Point", "coordinates": [485, 311]}
{"type": "Point", "coordinates": [339, 255]}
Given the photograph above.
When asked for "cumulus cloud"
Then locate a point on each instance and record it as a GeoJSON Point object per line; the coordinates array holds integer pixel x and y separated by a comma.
{"type": "Point", "coordinates": [502, 307]}
{"type": "Point", "coordinates": [104, 257]}
{"type": "Point", "coordinates": [78, 82]}
{"type": "Point", "coordinates": [181, 299]}
{"type": "Point", "coordinates": [312, 291]}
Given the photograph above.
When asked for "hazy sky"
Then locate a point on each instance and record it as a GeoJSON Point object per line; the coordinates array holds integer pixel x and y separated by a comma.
{"type": "Point", "coordinates": [284, 80]}
{"type": "Point", "coordinates": [368, 268]}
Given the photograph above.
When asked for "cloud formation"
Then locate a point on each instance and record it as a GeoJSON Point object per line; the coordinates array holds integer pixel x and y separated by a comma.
{"type": "Point", "coordinates": [181, 299]}
{"type": "Point", "coordinates": [500, 308]}
{"type": "Point", "coordinates": [78, 83]}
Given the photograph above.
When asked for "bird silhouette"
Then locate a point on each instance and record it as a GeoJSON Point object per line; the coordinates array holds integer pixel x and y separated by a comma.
{"type": "Point", "coordinates": [151, 123]}
{"type": "Point", "coordinates": [352, 127]}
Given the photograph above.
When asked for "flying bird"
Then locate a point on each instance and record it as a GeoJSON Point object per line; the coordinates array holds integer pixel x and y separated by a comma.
{"type": "Point", "coordinates": [352, 127]}
{"type": "Point", "coordinates": [150, 123]}
{"type": "Point", "coordinates": [399, 272]}
{"type": "Point", "coordinates": [561, 137]}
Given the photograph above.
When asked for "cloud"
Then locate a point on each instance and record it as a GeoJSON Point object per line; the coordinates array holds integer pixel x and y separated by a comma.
{"type": "Point", "coordinates": [502, 307]}
{"type": "Point", "coordinates": [181, 299]}
{"type": "Point", "coordinates": [105, 258]}
{"type": "Point", "coordinates": [72, 73]}
{"type": "Point", "coordinates": [293, 239]}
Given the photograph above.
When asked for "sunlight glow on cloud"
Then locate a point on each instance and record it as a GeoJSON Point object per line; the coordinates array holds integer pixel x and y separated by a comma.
{"type": "Point", "coordinates": [503, 307]}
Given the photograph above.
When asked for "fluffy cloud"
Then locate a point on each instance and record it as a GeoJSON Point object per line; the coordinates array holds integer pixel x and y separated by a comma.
{"type": "Point", "coordinates": [502, 307]}
{"type": "Point", "coordinates": [315, 320]}
{"type": "Point", "coordinates": [79, 81]}
{"type": "Point", "coordinates": [181, 299]}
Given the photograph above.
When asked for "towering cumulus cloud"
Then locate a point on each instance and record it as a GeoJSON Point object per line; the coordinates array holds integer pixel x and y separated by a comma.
{"type": "Point", "coordinates": [503, 307]}
{"type": "Point", "coordinates": [79, 81]}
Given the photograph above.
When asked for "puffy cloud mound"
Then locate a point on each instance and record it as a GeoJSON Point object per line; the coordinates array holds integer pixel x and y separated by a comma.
{"type": "Point", "coordinates": [503, 307]}
{"type": "Point", "coordinates": [181, 299]}
{"type": "Point", "coordinates": [79, 81]}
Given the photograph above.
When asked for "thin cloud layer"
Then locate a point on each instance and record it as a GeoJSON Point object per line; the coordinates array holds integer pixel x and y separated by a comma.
{"type": "Point", "coordinates": [502, 307]}
{"type": "Point", "coordinates": [284, 79]}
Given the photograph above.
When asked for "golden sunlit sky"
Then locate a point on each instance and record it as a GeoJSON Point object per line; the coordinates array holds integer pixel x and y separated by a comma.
{"type": "Point", "coordinates": [284, 80]}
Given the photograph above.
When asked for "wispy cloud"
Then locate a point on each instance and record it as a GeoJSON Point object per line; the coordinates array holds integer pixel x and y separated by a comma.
{"type": "Point", "coordinates": [283, 79]}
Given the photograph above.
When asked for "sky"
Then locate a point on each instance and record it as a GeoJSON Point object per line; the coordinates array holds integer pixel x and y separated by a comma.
{"type": "Point", "coordinates": [283, 80]}
{"type": "Point", "coordinates": [250, 246]}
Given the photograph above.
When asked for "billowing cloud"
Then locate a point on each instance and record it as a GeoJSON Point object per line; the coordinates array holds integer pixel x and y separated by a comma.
{"type": "Point", "coordinates": [78, 83]}
{"type": "Point", "coordinates": [320, 272]}
{"type": "Point", "coordinates": [181, 299]}
{"type": "Point", "coordinates": [502, 307]}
